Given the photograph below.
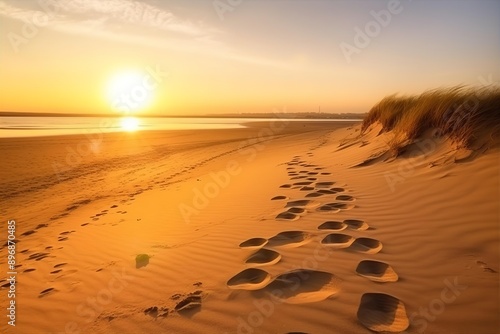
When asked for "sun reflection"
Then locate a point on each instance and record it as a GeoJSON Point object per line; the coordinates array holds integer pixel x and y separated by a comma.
{"type": "Point", "coordinates": [130, 124]}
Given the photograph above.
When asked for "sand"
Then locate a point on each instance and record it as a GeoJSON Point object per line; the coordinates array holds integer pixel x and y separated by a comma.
{"type": "Point", "coordinates": [279, 228]}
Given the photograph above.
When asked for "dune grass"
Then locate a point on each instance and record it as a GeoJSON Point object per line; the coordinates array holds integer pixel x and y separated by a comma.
{"type": "Point", "coordinates": [463, 114]}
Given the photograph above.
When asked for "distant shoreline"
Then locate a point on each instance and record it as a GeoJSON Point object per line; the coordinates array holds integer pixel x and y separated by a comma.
{"type": "Point", "coordinates": [306, 115]}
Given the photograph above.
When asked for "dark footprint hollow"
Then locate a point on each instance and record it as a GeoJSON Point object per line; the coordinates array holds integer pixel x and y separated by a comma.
{"type": "Point", "coordinates": [356, 224]}
{"type": "Point", "coordinates": [333, 225]}
{"type": "Point", "coordinates": [253, 242]}
{"type": "Point", "coordinates": [324, 184]}
{"type": "Point", "coordinates": [342, 206]}
{"type": "Point", "coordinates": [188, 303]}
{"type": "Point", "coordinates": [305, 286]}
{"type": "Point", "coordinates": [302, 202]}
{"type": "Point", "coordinates": [287, 216]}
{"type": "Point", "coordinates": [366, 245]}
{"type": "Point", "coordinates": [328, 208]}
{"type": "Point", "coordinates": [314, 194]}
{"type": "Point", "coordinates": [376, 271]}
{"type": "Point", "coordinates": [288, 238]}
{"type": "Point", "coordinates": [303, 183]}
{"type": "Point", "coordinates": [380, 312]}
{"type": "Point", "coordinates": [249, 279]}
{"type": "Point", "coordinates": [338, 240]}
{"type": "Point", "coordinates": [264, 257]}
{"type": "Point", "coordinates": [344, 198]}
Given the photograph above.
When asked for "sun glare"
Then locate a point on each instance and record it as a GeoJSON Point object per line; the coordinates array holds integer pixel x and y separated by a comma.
{"type": "Point", "coordinates": [129, 124]}
{"type": "Point", "coordinates": [129, 91]}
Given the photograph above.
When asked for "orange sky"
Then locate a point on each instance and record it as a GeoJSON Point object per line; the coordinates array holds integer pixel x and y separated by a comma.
{"type": "Point", "coordinates": [252, 57]}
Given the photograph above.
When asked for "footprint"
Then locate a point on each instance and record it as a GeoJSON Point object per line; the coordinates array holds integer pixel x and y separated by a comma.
{"type": "Point", "coordinates": [38, 256]}
{"type": "Point", "coordinates": [304, 286]}
{"type": "Point", "coordinates": [84, 224]}
{"type": "Point", "coordinates": [189, 303]}
{"type": "Point", "coordinates": [287, 216]}
{"type": "Point", "coordinates": [298, 177]}
{"type": "Point", "coordinates": [356, 224]}
{"type": "Point", "coordinates": [485, 267]}
{"type": "Point", "coordinates": [286, 186]}
{"type": "Point", "coordinates": [152, 311]}
{"type": "Point", "coordinates": [326, 173]}
{"type": "Point", "coordinates": [377, 271]}
{"type": "Point", "coordinates": [333, 225]}
{"type": "Point", "coordinates": [296, 210]}
{"type": "Point", "coordinates": [344, 198]}
{"type": "Point", "coordinates": [338, 240]}
{"type": "Point", "coordinates": [306, 188]}
{"type": "Point", "coordinates": [29, 270]}
{"type": "Point", "coordinates": [314, 194]}
{"type": "Point", "coordinates": [28, 233]}
{"type": "Point", "coordinates": [341, 206]}
{"type": "Point", "coordinates": [380, 312]}
{"type": "Point", "coordinates": [326, 191]}
{"type": "Point", "coordinates": [303, 183]}
{"type": "Point", "coordinates": [328, 208]}
{"type": "Point", "coordinates": [337, 189]}
{"type": "Point", "coordinates": [324, 184]}
{"type": "Point", "coordinates": [56, 271]}
{"type": "Point", "coordinates": [46, 292]}
{"type": "Point", "coordinates": [60, 265]}
{"type": "Point", "coordinates": [249, 279]}
{"type": "Point", "coordinates": [366, 245]}
{"type": "Point", "coordinates": [253, 243]}
{"type": "Point", "coordinates": [264, 257]}
{"type": "Point", "coordinates": [302, 202]}
{"type": "Point", "coordinates": [289, 239]}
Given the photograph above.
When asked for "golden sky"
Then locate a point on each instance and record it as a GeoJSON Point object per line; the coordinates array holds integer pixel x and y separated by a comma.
{"type": "Point", "coordinates": [198, 57]}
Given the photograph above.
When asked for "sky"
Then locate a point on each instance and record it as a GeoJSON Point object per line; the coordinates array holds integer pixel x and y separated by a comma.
{"type": "Point", "coordinates": [178, 57]}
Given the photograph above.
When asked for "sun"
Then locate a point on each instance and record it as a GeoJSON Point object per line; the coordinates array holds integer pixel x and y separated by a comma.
{"type": "Point", "coordinates": [129, 124]}
{"type": "Point", "coordinates": [129, 91]}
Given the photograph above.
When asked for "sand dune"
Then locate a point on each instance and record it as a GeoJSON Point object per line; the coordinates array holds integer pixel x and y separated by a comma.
{"type": "Point", "coordinates": [301, 232]}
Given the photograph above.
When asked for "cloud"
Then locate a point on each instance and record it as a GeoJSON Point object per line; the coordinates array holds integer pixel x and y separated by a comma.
{"type": "Point", "coordinates": [119, 11]}
{"type": "Point", "coordinates": [129, 21]}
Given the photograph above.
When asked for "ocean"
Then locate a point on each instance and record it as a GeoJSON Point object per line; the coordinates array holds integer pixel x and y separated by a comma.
{"type": "Point", "coordinates": [49, 126]}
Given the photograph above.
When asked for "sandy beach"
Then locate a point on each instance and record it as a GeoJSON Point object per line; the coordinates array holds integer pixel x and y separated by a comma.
{"type": "Point", "coordinates": [284, 227]}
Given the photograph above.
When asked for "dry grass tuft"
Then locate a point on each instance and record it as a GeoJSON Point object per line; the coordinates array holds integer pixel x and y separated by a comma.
{"type": "Point", "coordinates": [463, 114]}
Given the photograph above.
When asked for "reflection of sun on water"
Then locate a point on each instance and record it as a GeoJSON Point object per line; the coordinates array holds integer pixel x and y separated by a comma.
{"type": "Point", "coordinates": [129, 124]}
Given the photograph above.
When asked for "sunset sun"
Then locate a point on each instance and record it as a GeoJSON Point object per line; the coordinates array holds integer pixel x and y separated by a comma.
{"type": "Point", "coordinates": [129, 91]}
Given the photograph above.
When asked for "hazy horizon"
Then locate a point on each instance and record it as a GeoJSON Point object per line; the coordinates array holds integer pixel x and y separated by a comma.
{"type": "Point", "coordinates": [210, 57]}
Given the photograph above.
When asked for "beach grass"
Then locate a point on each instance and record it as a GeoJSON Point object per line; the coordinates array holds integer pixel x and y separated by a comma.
{"type": "Point", "coordinates": [463, 114]}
